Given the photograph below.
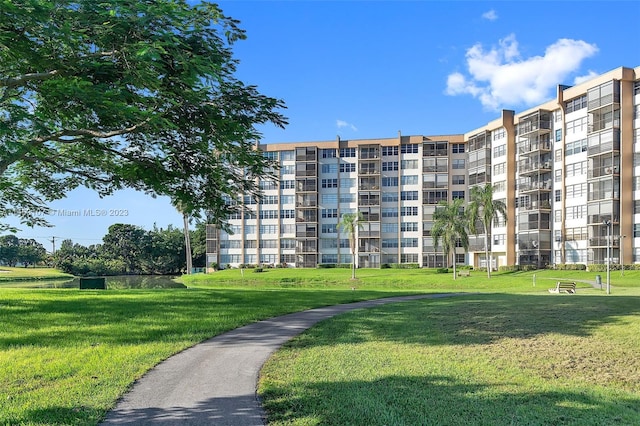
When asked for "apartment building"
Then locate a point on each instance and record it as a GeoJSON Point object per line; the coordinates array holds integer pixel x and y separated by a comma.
{"type": "Point", "coordinates": [568, 172]}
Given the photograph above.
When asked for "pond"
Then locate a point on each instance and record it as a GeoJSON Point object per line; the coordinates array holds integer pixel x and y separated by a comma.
{"type": "Point", "coordinates": [113, 283]}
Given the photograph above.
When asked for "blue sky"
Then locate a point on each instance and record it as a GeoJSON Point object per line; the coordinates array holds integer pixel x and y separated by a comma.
{"type": "Point", "coordinates": [363, 69]}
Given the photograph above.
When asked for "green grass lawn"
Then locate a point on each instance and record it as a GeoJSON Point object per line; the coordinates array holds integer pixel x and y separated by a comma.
{"type": "Point", "coordinates": [67, 355]}
{"type": "Point", "coordinates": [14, 274]}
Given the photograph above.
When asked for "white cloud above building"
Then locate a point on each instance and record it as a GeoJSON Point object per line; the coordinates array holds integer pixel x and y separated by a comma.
{"type": "Point", "coordinates": [500, 77]}
{"type": "Point", "coordinates": [490, 15]}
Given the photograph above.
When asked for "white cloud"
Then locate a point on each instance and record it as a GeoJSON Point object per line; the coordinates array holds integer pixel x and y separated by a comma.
{"type": "Point", "coordinates": [490, 15]}
{"type": "Point", "coordinates": [500, 77]}
{"type": "Point", "coordinates": [582, 78]}
{"type": "Point", "coordinates": [342, 124]}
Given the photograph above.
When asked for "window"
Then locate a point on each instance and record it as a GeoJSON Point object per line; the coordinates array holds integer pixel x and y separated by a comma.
{"type": "Point", "coordinates": [389, 212]}
{"type": "Point", "coordinates": [500, 186]}
{"type": "Point", "coordinates": [558, 155]}
{"type": "Point", "coordinates": [230, 244]}
{"type": "Point", "coordinates": [347, 152]}
{"type": "Point", "coordinates": [457, 148]}
{"type": "Point", "coordinates": [409, 180]}
{"type": "Point", "coordinates": [558, 135]}
{"type": "Point", "coordinates": [636, 230]}
{"type": "Point", "coordinates": [409, 258]}
{"type": "Point", "coordinates": [329, 228]}
{"type": "Point", "coordinates": [458, 163]}
{"type": "Point", "coordinates": [500, 133]}
{"type": "Point", "coordinates": [287, 228]}
{"type": "Point", "coordinates": [326, 213]}
{"type": "Point", "coordinates": [576, 104]}
{"type": "Point", "coordinates": [576, 126]}
{"type": "Point", "coordinates": [287, 243]}
{"type": "Point", "coordinates": [271, 155]}
{"type": "Point", "coordinates": [268, 229]}
{"type": "Point", "coordinates": [389, 150]}
{"type": "Point", "coordinates": [388, 166]}
{"type": "Point", "coordinates": [329, 183]}
{"type": "Point", "coordinates": [287, 214]}
{"type": "Point", "coordinates": [408, 195]}
{"type": "Point", "coordinates": [389, 181]}
{"type": "Point", "coordinates": [268, 184]}
{"type": "Point", "coordinates": [268, 258]}
{"type": "Point", "coordinates": [347, 197]}
{"type": "Point", "coordinates": [389, 197]}
{"type": "Point", "coordinates": [500, 151]}
{"type": "Point", "coordinates": [499, 239]}
{"type": "Point", "coordinates": [389, 243]}
{"type": "Point", "coordinates": [409, 211]}
{"type": "Point", "coordinates": [409, 148]}
{"type": "Point", "coordinates": [575, 147]}
{"type": "Point", "coordinates": [576, 169]}
{"type": "Point", "coordinates": [576, 212]}
{"type": "Point", "coordinates": [409, 226]}
{"type": "Point", "coordinates": [558, 195]}
{"type": "Point", "coordinates": [409, 242]}
{"type": "Point", "coordinates": [329, 198]}
{"type": "Point", "coordinates": [287, 155]}
{"type": "Point", "coordinates": [269, 214]}
{"type": "Point", "coordinates": [500, 169]}
{"type": "Point", "coordinates": [270, 199]}
{"type": "Point", "coordinates": [575, 191]}
{"type": "Point", "coordinates": [557, 216]}
{"type": "Point", "coordinates": [347, 182]}
{"type": "Point", "coordinates": [458, 194]}
{"type": "Point", "coordinates": [409, 164]}
{"type": "Point", "coordinates": [287, 184]}
{"type": "Point", "coordinates": [329, 168]}
{"type": "Point", "coordinates": [390, 228]}
{"type": "Point", "coordinates": [347, 167]}
{"type": "Point", "coordinates": [287, 169]}
{"type": "Point", "coordinates": [457, 179]}
{"type": "Point", "coordinates": [269, 243]}
{"type": "Point", "coordinates": [558, 175]}
{"type": "Point", "coordinates": [329, 153]}
{"type": "Point", "coordinates": [329, 258]}
{"type": "Point", "coordinates": [287, 258]}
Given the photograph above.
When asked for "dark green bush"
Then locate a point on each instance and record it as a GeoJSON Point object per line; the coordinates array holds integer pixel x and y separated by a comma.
{"type": "Point", "coordinates": [442, 271]}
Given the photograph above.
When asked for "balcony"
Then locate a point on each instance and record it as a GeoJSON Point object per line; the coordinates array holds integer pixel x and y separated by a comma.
{"type": "Point", "coordinates": [602, 241]}
{"type": "Point", "coordinates": [369, 171]}
{"type": "Point", "coordinates": [602, 171]}
{"type": "Point", "coordinates": [534, 186]}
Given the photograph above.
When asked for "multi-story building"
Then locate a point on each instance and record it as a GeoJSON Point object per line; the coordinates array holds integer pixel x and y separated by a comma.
{"type": "Point", "coordinates": [568, 172]}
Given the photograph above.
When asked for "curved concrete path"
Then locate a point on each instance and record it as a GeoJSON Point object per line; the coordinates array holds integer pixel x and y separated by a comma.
{"type": "Point", "coordinates": [214, 382]}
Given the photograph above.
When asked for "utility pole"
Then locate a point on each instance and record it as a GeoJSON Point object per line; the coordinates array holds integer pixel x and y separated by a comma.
{"type": "Point", "coordinates": [53, 242]}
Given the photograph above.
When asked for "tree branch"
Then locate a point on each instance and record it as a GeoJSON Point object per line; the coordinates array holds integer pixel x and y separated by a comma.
{"type": "Point", "coordinates": [21, 80]}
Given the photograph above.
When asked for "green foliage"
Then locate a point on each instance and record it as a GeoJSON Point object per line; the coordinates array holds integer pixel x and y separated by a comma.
{"type": "Point", "coordinates": [14, 250]}
{"type": "Point", "coordinates": [442, 271]}
{"type": "Point", "coordinates": [570, 267]}
{"type": "Point", "coordinates": [450, 226]}
{"type": "Point", "coordinates": [350, 223]}
{"type": "Point", "coordinates": [125, 94]}
{"type": "Point", "coordinates": [509, 268]}
{"type": "Point", "coordinates": [404, 266]}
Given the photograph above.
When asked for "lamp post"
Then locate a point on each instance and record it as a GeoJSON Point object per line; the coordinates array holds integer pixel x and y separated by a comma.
{"type": "Point", "coordinates": [622, 237]}
{"type": "Point", "coordinates": [607, 223]}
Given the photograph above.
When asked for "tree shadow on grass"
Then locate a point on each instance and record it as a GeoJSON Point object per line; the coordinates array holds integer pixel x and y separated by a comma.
{"type": "Point", "coordinates": [438, 400]}
{"type": "Point", "coordinates": [477, 319]}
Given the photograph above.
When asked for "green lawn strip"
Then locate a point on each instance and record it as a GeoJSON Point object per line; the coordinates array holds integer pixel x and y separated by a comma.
{"type": "Point", "coordinates": [18, 274]}
{"type": "Point", "coordinates": [496, 359]}
{"type": "Point", "coordinates": [67, 355]}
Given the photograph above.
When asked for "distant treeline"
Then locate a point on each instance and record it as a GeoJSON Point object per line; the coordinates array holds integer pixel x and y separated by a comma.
{"type": "Point", "coordinates": [126, 249]}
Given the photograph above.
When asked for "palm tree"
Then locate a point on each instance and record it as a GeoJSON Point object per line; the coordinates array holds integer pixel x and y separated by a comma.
{"type": "Point", "coordinates": [350, 223]}
{"type": "Point", "coordinates": [450, 225]}
{"type": "Point", "coordinates": [484, 209]}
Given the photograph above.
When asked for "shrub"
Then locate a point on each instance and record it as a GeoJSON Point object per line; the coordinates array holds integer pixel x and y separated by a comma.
{"type": "Point", "coordinates": [326, 265]}
{"type": "Point", "coordinates": [509, 268]}
{"type": "Point", "coordinates": [405, 266]}
{"type": "Point", "coordinates": [258, 270]}
{"type": "Point", "coordinates": [442, 271]}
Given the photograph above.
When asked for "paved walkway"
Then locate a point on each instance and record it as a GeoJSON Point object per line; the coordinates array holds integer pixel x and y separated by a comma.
{"type": "Point", "coordinates": [214, 382]}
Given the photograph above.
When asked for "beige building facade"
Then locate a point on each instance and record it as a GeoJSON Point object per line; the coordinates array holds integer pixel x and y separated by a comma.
{"type": "Point", "coordinates": [567, 170]}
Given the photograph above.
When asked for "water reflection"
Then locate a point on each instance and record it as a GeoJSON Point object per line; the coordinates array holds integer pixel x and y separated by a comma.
{"type": "Point", "coordinates": [113, 283]}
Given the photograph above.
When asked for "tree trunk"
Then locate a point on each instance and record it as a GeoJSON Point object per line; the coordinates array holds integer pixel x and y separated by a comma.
{"type": "Point", "coordinates": [454, 262]}
{"type": "Point", "coordinates": [486, 253]}
{"type": "Point", "coordinates": [187, 242]}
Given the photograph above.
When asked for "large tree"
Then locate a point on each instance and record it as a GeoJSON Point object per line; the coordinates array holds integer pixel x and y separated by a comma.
{"type": "Point", "coordinates": [484, 209]}
{"type": "Point", "coordinates": [125, 93]}
{"type": "Point", "coordinates": [449, 227]}
{"type": "Point", "coordinates": [350, 223]}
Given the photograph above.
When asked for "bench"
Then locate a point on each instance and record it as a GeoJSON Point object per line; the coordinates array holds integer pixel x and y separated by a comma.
{"type": "Point", "coordinates": [566, 287]}
{"type": "Point", "coordinates": [464, 273]}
